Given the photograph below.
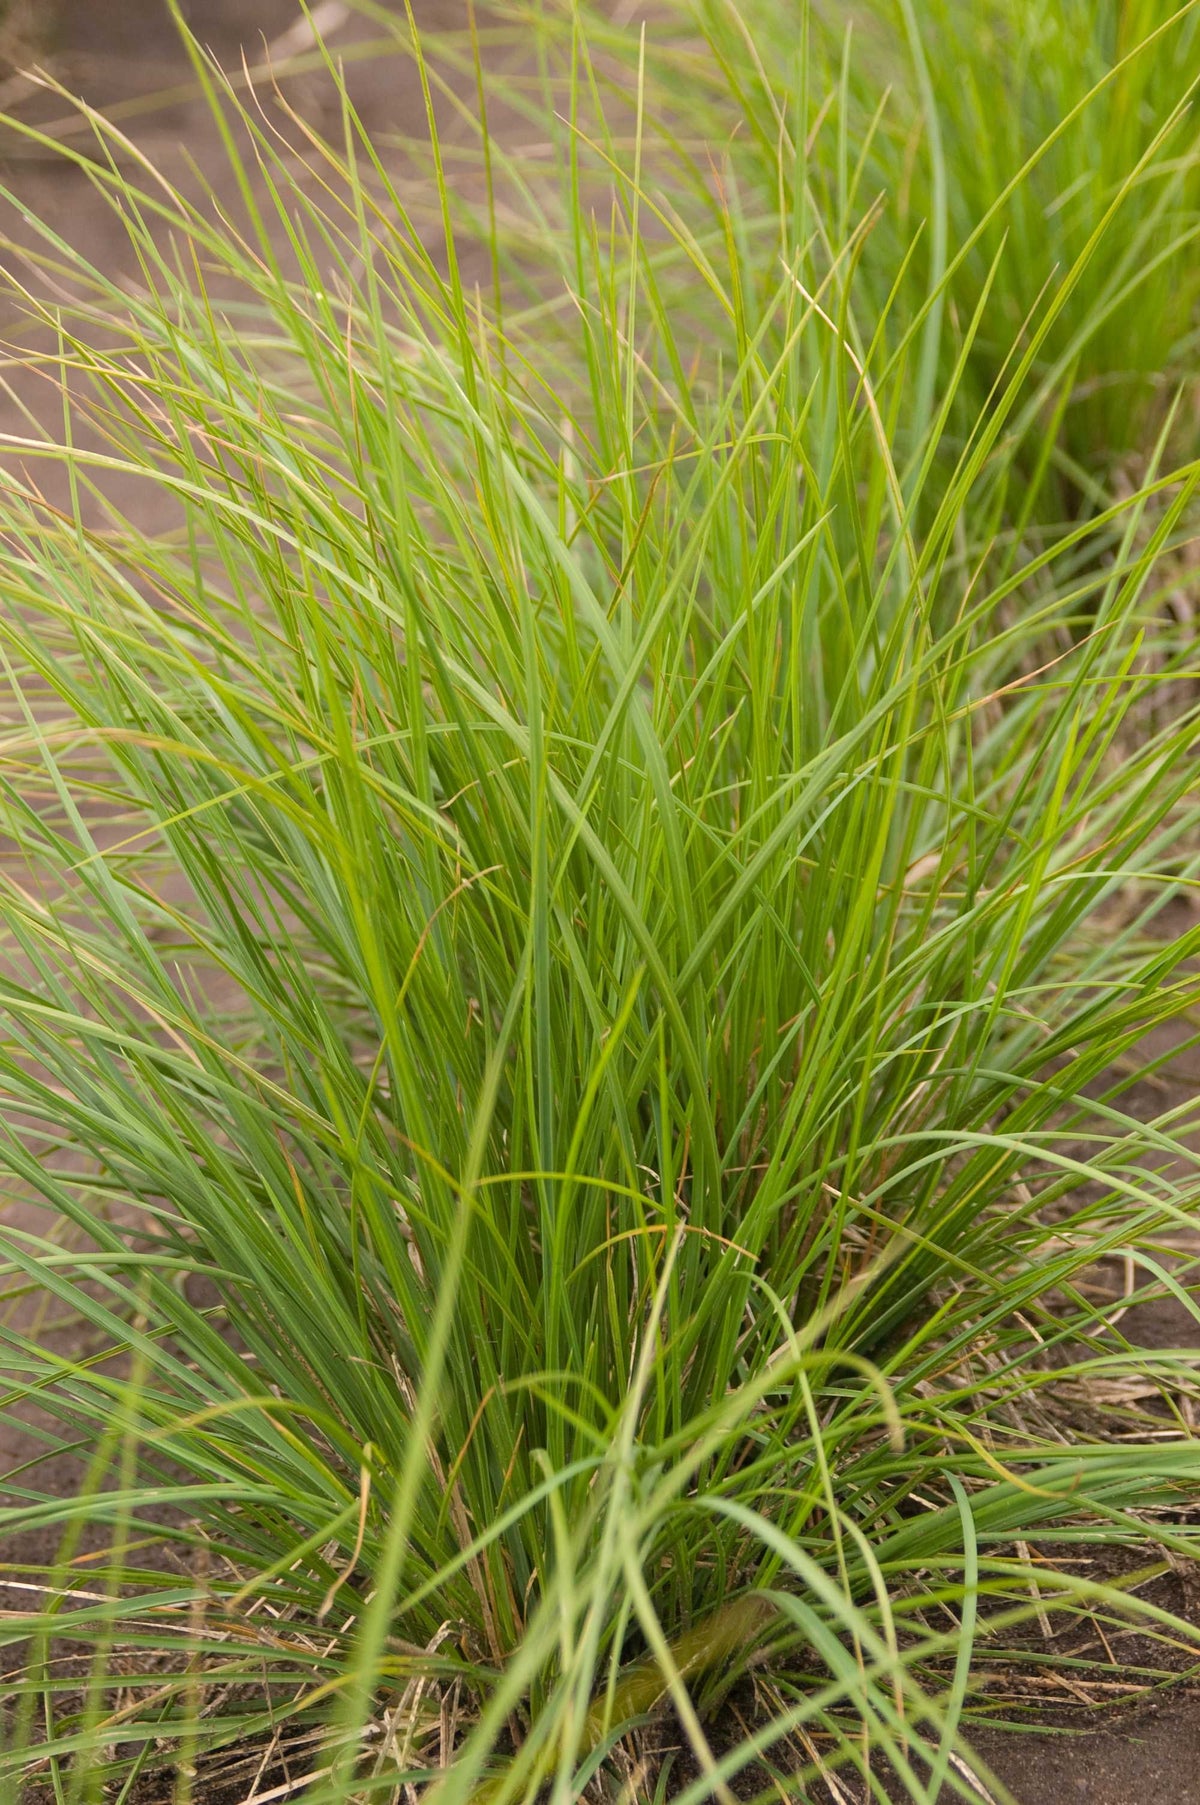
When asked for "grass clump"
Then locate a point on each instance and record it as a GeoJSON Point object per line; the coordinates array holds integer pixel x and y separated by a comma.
{"type": "Point", "coordinates": [1041, 120]}
{"type": "Point", "coordinates": [575, 941]}
{"type": "Point", "coordinates": [1016, 151]}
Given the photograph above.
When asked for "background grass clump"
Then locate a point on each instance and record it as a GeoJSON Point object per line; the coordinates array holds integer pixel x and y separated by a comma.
{"type": "Point", "coordinates": [578, 919]}
{"type": "Point", "coordinates": [1013, 151]}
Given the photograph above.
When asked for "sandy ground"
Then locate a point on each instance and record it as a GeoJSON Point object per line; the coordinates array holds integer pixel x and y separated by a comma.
{"type": "Point", "coordinates": [113, 51]}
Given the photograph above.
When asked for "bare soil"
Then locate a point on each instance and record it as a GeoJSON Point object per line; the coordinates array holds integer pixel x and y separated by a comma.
{"type": "Point", "coordinates": [116, 51]}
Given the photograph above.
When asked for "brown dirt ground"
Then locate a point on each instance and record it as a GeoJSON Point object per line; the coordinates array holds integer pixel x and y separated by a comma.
{"type": "Point", "coordinates": [114, 51]}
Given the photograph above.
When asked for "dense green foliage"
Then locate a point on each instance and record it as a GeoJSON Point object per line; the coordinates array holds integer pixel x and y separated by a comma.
{"type": "Point", "coordinates": [579, 912]}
